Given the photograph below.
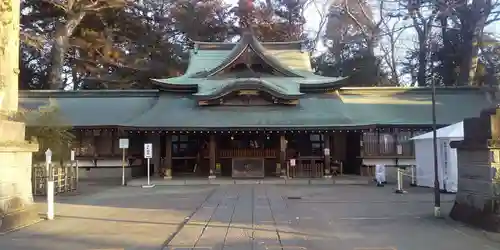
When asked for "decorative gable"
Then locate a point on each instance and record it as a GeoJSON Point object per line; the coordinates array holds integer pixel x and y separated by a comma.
{"type": "Point", "coordinates": [249, 91]}
{"type": "Point", "coordinates": [248, 50]}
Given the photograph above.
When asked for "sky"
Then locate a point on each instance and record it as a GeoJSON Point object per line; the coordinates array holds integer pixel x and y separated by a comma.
{"type": "Point", "coordinates": [404, 43]}
{"type": "Point", "coordinates": [313, 20]}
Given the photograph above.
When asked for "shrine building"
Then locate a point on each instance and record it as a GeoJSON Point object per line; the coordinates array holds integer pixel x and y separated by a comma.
{"type": "Point", "coordinates": [244, 110]}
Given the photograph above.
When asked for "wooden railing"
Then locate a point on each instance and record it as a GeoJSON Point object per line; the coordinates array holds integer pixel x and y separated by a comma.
{"type": "Point", "coordinates": [65, 179]}
{"type": "Point", "coordinates": [307, 167]}
{"type": "Point", "coordinates": [242, 153]}
{"type": "Point", "coordinates": [396, 144]}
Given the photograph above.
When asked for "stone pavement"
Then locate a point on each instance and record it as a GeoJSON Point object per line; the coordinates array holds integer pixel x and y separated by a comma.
{"type": "Point", "coordinates": [336, 180]}
{"type": "Point", "coordinates": [250, 217]}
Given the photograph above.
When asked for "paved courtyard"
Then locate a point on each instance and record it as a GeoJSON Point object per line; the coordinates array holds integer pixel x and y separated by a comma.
{"type": "Point", "coordinates": [338, 217]}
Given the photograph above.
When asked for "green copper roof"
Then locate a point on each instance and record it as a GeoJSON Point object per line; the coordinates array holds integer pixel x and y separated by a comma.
{"type": "Point", "coordinates": [91, 108]}
{"type": "Point", "coordinates": [286, 61]}
{"type": "Point", "coordinates": [205, 60]}
{"type": "Point", "coordinates": [345, 108]}
{"type": "Point", "coordinates": [274, 84]}
{"type": "Point", "coordinates": [310, 79]}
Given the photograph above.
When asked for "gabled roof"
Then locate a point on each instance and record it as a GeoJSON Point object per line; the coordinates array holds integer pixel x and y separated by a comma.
{"type": "Point", "coordinates": [288, 58]}
{"type": "Point", "coordinates": [208, 55]}
{"type": "Point", "coordinates": [247, 41]}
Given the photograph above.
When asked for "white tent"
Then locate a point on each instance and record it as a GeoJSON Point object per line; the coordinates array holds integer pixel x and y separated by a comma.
{"type": "Point", "coordinates": [447, 157]}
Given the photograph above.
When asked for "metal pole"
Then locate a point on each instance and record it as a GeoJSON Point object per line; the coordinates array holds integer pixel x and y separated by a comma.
{"type": "Point", "coordinates": [77, 174]}
{"type": "Point", "coordinates": [437, 194]}
{"type": "Point", "coordinates": [123, 167]}
{"type": "Point", "coordinates": [149, 178]}
{"type": "Point", "coordinates": [413, 181]}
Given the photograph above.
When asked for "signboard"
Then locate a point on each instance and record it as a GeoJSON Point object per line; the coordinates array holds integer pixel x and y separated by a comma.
{"type": "Point", "coordinates": [399, 149]}
{"type": "Point", "coordinates": [292, 162]}
{"type": "Point", "coordinates": [248, 168]}
{"type": "Point", "coordinates": [123, 143]}
{"type": "Point", "coordinates": [148, 150]}
{"type": "Point", "coordinates": [72, 156]}
{"type": "Point", "coordinates": [217, 168]}
{"type": "Point", "coordinates": [327, 151]}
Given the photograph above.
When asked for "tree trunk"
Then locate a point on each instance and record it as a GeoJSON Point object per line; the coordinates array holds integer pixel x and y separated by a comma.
{"type": "Point", "coordinates": [60, 47]}
{"type": "Point", "coordinates": [472, 29]}
{"type": "Point", "coordinates": [9, 54]}
{"type": "Point", "coordinates": [448, 69]}
{"type": "Point", "coordinates": [394, 70]}
{"type": "Point", "coordinates": [466, 58]}
{"type": "Point", "coordinates": [422, 64]}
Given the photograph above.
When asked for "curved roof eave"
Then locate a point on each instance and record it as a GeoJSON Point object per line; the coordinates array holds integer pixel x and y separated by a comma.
{"type": "Point", "coordinates": [324, 83]}
{"type": "Point", "coordinates": [164, 83]}
{"type": "Point", "coordinates": [255, 84]}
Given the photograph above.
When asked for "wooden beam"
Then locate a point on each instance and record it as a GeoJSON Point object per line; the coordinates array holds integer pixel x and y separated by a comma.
{"type": "Point", "coordinates": [168, 156]}
{"type": "Point", "coordinates": [283, 146]}
{"type": "Point", "coordinates": [212, 155]}
{"type": "Point", "coordinates": [326, 141]}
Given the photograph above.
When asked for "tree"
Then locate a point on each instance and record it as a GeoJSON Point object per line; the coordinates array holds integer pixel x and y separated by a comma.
{"type": "Point", "coordinates": [63, 17]}
{"type": "Point", "coordinates": [280, 20]}
{"type": "Point", "coordinates": [352, 34]}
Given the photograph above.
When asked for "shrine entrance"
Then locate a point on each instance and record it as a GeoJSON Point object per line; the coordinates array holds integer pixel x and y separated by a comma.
{"type": "Point", "coordinates": [245, 155]}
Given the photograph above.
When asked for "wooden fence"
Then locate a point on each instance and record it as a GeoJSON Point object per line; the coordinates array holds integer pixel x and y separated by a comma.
{"type": "Point", "coordinates": [307, 170]}
{"type": "Point", "coordinates": [65, 178]}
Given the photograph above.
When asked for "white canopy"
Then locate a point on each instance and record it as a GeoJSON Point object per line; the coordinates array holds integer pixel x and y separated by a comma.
{"type": "Point", "coordinates": [453, 131]}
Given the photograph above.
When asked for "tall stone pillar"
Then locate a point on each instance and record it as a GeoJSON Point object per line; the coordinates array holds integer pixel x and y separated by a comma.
{"type": "Point", "coordinates": [477, 200]}
{"type": "Point", "coordinates": [16, 198]}
{"type": "Point", "coordinates": [9, 54]}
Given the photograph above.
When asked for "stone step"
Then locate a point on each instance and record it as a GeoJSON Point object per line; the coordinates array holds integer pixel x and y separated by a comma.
{"type": "Point", "coordinates": [19, 219]}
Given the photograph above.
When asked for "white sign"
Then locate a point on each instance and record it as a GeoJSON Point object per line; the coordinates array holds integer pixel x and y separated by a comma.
{"type": "Point", "coordinates": [327, 151]}
{"type": "Point", "coordinates": [399, 149]}
{"type": "Point", "coordinates": [148, 150]}
{"type": "Point", "coordinates": [123, 143]}
{"type": "Point", "coordinates": [292, 162]}
{"type": "Point", "coordinates": [48, 156]}
{"type": "Point", "coordinates": [72, 155]}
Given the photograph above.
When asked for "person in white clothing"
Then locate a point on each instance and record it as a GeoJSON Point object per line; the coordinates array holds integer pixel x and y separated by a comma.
{"type": "Point", "coordinates": [380, 175]}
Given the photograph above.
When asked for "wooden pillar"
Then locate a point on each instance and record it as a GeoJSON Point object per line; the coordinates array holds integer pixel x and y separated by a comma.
{"type": "Point", "coordinates": [156, 161]}
{"type": "Point", "coordinates": [168, 157]}
{"type": "Point", "coordinates": [212, 145]}
{"type": "Point", "coordinates": [283, 146]}
{"type": "Point", "coordinates": [326, 154]}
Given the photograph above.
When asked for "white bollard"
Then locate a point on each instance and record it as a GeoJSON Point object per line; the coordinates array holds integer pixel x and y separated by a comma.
{"type": "Point", "coordinates": [400, 189]}
{"type": "Point", "coordinates": [50, 184]}
{"type": "Point", "coordinates": [50, 200]}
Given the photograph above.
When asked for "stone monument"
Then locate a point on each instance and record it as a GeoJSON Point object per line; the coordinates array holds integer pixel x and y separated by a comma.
{"type": "Point", "coordinates": [16, 199]}
{"type": "Point", "coordinates": [478, 195]}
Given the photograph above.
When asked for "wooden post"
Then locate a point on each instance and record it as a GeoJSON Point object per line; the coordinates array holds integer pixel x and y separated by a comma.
{"type": "Point", "coordinates": [283, 146]}
{"type": "Point", "coordinates": [168, 157]}
{"type": "Point", "coordinates": [326, 154]}
{"type": "Point", "coordinates": [212, 156]}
